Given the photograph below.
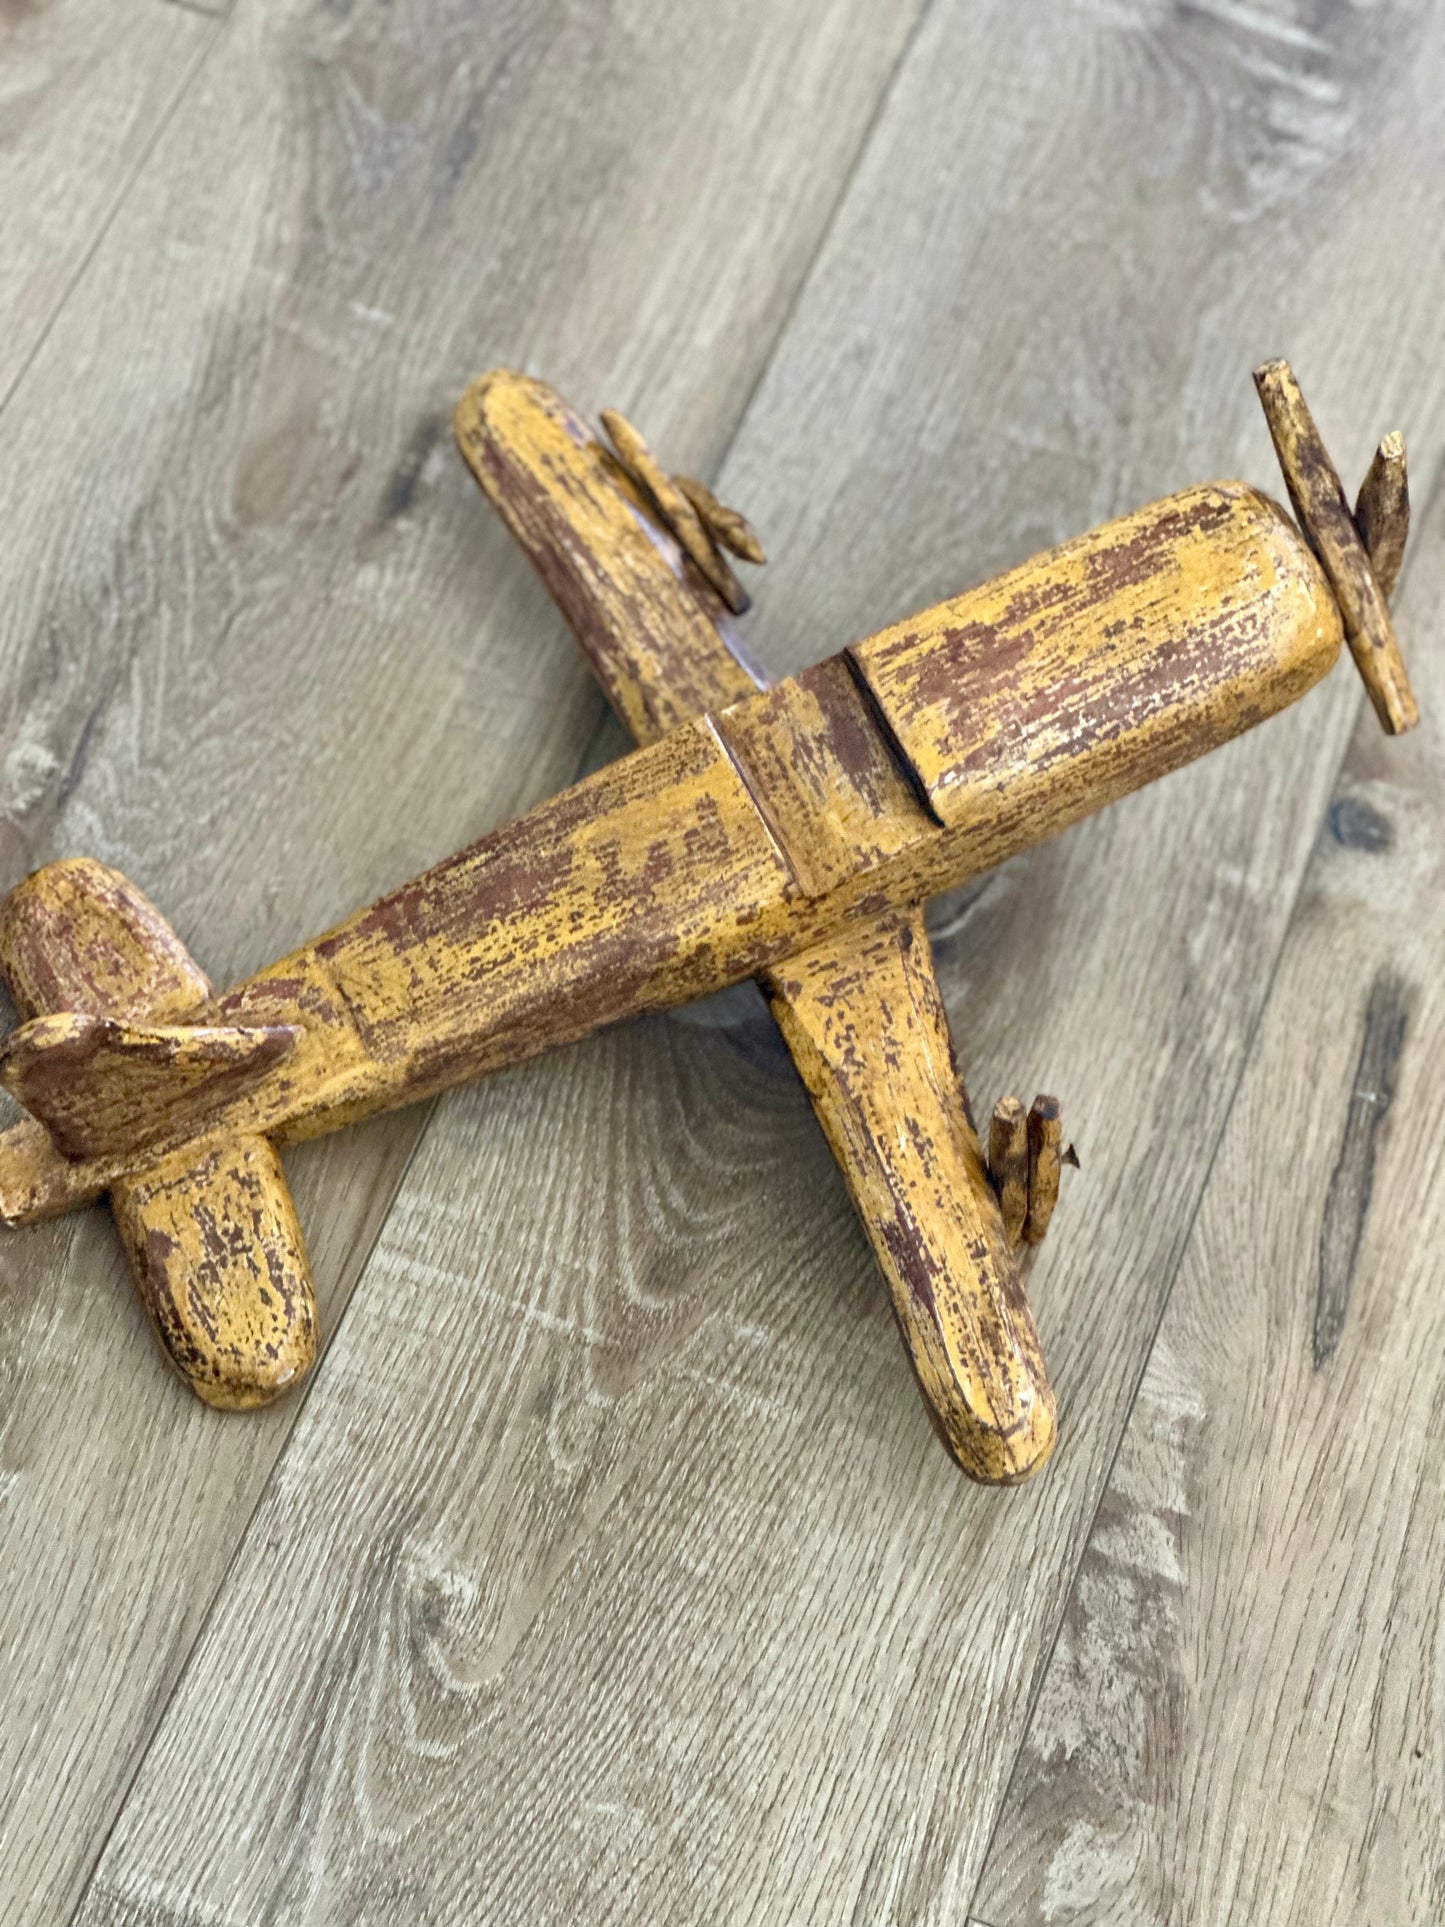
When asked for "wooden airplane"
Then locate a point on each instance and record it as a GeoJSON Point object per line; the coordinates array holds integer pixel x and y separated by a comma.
{"type": "Point", "coordinates": [789, 833]}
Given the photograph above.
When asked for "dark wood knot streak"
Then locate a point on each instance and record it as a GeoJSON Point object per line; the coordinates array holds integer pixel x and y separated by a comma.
{"type": "Point", "coordinates": [792, 833]}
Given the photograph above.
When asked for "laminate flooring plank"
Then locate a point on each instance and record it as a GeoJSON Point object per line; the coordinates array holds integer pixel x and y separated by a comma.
{"type": "Point", "coordinates": [85, 86]}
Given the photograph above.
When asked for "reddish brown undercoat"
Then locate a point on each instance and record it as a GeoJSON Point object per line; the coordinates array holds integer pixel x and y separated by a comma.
{"type": "Point", "coordinates": [867, 1029]}
{"type": "Point", "coordinates": [100, 1085]}
{"type": "Point", "coordinates": [1053, 690]}
{"type": "Point", "coordinates": [79, 936]}
{"type": "Point", "coordinates": [633, 602]}
{"type": "Point", "coordinates": [690, 865]}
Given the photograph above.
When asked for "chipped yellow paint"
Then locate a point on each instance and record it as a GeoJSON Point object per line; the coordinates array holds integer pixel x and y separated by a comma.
{"type": "Point", "coordinates": [221, 1267]}
{"type": "Point", "coordinates": [1069, 681]}
{"type": "Point", "coordinates": [80, 936]}
{"type": "Point", "coordinates": [866, 1024]}
{"type": "Point", "coordinates": [867, 1029]}
{"type": "Point", "coordinates": [101, 1084]}
{"type": "Point", "coordinates": [648, 622]}
{"type": "Point", "coordinates": [667, 875]}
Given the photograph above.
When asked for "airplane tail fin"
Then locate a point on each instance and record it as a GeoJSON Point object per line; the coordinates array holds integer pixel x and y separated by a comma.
{"type": "Point", "coordinates": [102, 1086]}
{"type": "Point", "coordinates": [108, 1066]}
{"type": "Point", "coordinates": [866, 1025]}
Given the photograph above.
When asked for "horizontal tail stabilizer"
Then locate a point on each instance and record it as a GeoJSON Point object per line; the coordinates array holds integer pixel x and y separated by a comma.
{"type": "Point", "coordinates": [102, 1086]}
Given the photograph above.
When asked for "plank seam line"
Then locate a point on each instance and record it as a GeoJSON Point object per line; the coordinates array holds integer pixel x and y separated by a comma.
{"type": "Point", "coordinates": [845, 189]}
{"type": "Point", "coordinates": [1424, 517]}
{"type": "Point", "coordinates": [299, 1401]}
{"type": "Point", "coordinates": [1246, 1058]}
{"type": "Point", "coordinates": [147, 1740]}
{"type": "Point", "coordinates": [722, 737]}
{"type": "Point", "coordinates": [142, 162]}
{"type": "Point", "coordinates": [889, 736]}
{"type": "Point", "coordinates": [715, 468]}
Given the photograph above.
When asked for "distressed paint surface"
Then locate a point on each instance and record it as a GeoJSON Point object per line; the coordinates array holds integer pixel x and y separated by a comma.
{"type": "Point", "coordinates": [552, 1482]}
{"type": "Point", "coordinates": [867, 1029]}
{"type": "Point", "coordinates": [1108, 662]}
{"type": "Point", "coordinates": [78, 935]}
{"type": "Point", "coordinates": [830, 790]}
{"type": "Point", "coordinates": [658, 638]}
{"type": "Point", "coordinates": [800, 826]}
{"type": "Point", "coordinates": [221, 1267]}
{"type": "Point", "coordinates": [212, 1238]}
{"type": "Point", "coordinates": [101, 1086]}
{"type": "Point", "coordinates": [1084, 674]}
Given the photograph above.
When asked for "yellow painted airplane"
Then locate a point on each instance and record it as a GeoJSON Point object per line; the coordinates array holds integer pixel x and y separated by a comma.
{"type": "Point", "coordinates": [789, 833]}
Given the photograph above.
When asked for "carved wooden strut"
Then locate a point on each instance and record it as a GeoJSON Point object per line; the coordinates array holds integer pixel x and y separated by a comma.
{"type": "Point", "coordinates": [790, 833]}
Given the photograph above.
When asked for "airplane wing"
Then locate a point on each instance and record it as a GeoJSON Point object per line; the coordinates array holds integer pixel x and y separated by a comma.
{"type": "Point", "coordinates": [211, 1233]}
{"type": "Point", "coordinates": [862, 1013]}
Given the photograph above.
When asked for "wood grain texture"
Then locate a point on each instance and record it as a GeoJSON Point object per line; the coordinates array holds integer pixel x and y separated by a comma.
{"type": "Point", "coordinates": [1243, 1717]}
{"type": "Point", "coordinates": [647, 1597]}
{"type": "Point", "coordinates": [243, 576]}
{"type": "Point", "coordinates": [85, 86]}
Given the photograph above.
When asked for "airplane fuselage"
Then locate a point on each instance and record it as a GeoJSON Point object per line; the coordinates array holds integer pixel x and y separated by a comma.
{"type": "Point", "coordinates": [880, 777]}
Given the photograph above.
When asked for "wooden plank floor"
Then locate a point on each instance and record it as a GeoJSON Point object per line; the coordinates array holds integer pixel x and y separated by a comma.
{"type": "Point", "coordinates": [85, 87]}
{"type": "Point", "coordinates": [608, 1569]}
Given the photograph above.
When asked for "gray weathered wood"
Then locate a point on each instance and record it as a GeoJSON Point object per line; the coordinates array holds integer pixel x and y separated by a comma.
{"type": "Point", "coordinates": [262, 648]}
{"type": "Point", "coordinates": [616, 1572]}
{"type": "Point", "coordinates": [84, 86]}
{"type": "Point", "coordinates": [1244, 1717]}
